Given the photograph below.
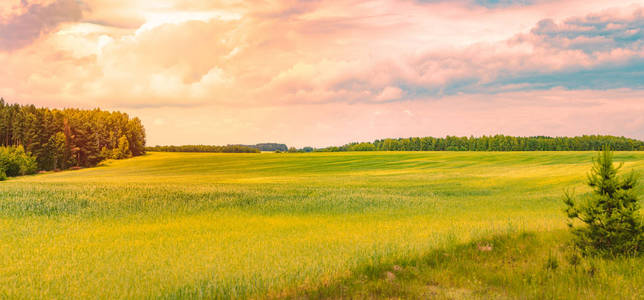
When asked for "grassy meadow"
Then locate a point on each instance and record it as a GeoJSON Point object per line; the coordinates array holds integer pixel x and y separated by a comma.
{"type": "Point", "coordinates": [317, 225]}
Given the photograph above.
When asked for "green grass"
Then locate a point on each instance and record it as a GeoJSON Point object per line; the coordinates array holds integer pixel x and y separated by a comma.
{"type": "Point", "coordinates": [514, 266]}
{"type": "Point", "coordinates": [176, 225]}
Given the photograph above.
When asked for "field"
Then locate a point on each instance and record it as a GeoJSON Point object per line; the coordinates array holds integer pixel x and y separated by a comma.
{"type": "Point", "coordinates": [371, 224]}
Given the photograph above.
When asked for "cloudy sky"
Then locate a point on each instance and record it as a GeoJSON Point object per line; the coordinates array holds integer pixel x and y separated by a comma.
{"type": "Point", "coordinates": [330, 72]}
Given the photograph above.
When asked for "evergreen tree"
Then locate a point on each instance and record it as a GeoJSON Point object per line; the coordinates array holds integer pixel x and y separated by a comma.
{"type": "Point", "coordinates": [85, 132]}
{"type": "Point", "coordinates": [613, 225]}
{"type": "Point", "coordinates": [56, 150]}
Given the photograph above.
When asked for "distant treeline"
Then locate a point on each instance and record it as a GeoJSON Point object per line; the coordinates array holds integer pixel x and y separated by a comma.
{"type": "Point", "coordinates": [269, 147]}
{"type": "Point", "coordinates": [60, 139]}
{"type": "Point", "coordinates": [222, 149]}
{"type": "Point", "coordinates": [495, 143]}
{"type": "Point", "coordinates": [204, 148]}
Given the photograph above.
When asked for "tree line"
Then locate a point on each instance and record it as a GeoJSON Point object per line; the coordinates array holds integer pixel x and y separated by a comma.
{"type": "Point", "coordinates": [204, 149]}
{"type": "Point", "coordinates": [239, 148]}
{"type": "Point", "coordinates": [448, 143]}
{"type": "Point", "coordinates": [61, 139]}
{"type": "Point", "coordinates": [495, 143]}
{"type": "Point", "coordinates": [269, 147]}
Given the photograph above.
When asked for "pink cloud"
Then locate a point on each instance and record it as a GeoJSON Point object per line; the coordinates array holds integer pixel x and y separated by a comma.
{"type": "Point", "coordinates": [291, 52]}
{"type": "Point", "coordinates": [419, 65]}
{"type": "Point", "coordinates": [33, 20]}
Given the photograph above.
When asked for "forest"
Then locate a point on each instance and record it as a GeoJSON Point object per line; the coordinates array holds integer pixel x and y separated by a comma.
{"type": "Point", "coordinates": [495, 143]}
{"type": "Point", "coordinates": [269, 147]}
{"type": "Point", "coordinates": [448, 143]}
{"type": "Point", "coordinates": [61, 139]}
{"type": "Point", "coordinates": [221, 149]}
{"type": "Point", "coordinates": [204, 149]}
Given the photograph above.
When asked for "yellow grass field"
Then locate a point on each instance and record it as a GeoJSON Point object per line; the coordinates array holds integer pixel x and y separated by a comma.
{"type": "Point", "coordinates": [179, 225]}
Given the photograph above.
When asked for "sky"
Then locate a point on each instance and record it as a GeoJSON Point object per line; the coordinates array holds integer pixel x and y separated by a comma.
{"type": "Point", "coordinates": [319, 73]}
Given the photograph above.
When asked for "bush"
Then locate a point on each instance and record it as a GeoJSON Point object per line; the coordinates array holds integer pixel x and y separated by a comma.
{"type": "Point", "coordinates": [3, 175]}
{"type": "Point", "coordinates": [613, 225]}
{"type": "Point", "coordinates": [14, 161]}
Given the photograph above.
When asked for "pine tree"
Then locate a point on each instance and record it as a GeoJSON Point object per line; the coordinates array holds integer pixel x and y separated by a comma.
{"type": "Point", "coordinates": [56, 150]}
{"type": "Point", "coordinates": [613, 225]}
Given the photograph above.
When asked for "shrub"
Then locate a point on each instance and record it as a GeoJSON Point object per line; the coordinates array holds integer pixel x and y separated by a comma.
{"type": "Point", "coordinates": [3, 175]}
{"type": "Point", "coordinates": [14, 161]}
{"type": "Point", "coordinates": [613, 225]}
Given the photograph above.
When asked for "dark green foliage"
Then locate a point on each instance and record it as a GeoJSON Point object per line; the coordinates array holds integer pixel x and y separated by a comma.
{"type": "Point", "coordinates": [14, 161]}
{"type": "Point", "coordinates": [552, 263]}
{"type": "Point", "coordinates": [60, 139]}
{"type": "Point", "coordinates": [612, 222]}
{"type": "Point", "coordinates": [55, 149]}
{"type": "Point", "coordinates": [495, 143]}
{"type": "Point", "coordinates": [204, 149]}
{"type": "Point", "coordinates": [295, 150]}
{"type": "Point", "coordinates": [269, 147]}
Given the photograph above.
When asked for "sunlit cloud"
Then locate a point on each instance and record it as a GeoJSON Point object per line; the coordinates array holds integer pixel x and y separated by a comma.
{"type": "Point", "coordinates": [264, 58]}
{"type": "Point", "coordinates": [33, 20]}
{"type": "Point", "coordinates": [153, 20]}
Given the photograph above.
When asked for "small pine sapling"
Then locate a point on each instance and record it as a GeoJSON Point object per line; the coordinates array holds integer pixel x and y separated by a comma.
{"type": "Point", "coordinates": [612, 225]}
